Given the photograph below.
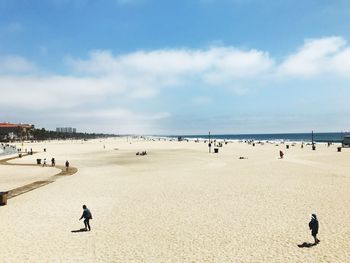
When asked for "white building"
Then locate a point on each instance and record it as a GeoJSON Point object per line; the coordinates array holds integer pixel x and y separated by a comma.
{"type": "Point", "coordinates": [66, 130]}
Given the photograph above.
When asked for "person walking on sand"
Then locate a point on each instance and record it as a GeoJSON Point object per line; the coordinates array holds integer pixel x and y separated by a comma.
{"type": "Point", "coordinates": [44, 164]}
{"type": "Point", "coordinates": [87, 216]}
{"type": "Point", "coordinates": [67, 165]}
{"type": "Point", "coordinates": [53, 162]}
{"type": "Point", "coordinates": [313, 225]}
{"type": "Point", "coordinates": [281, 154]}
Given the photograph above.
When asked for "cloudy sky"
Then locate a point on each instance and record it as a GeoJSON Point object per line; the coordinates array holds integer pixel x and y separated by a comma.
{"type": "Point", "coordinates": [176, 67]}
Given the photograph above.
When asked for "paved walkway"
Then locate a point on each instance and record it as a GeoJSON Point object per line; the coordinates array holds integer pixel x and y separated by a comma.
{"type": "Point", "coordinates": [29, 187]}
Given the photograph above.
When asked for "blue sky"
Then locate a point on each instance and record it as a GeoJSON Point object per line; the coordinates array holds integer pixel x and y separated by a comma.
{"type": "Point", "coordinates": [176, 67]}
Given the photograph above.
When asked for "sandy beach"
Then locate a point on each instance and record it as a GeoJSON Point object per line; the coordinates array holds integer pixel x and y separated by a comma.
{"type": "Point", "coordinates": [178, 203]}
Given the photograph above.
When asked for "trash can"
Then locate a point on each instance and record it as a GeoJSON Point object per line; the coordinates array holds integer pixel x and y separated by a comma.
{"type": "Point", "coordinates": [339, 149]}
{"type": "Point", "coordinates": [3, 198]}
{"type": "Point", "coordinates": [287, 146]}
{"type": "Point", "coordinates": [20, 155]}
{"type": "Point", "coordinates": [216, 150]}
{"type": "Point", "coordinates": [313, 147]}
{"type": "Point", "coordinates": [253, 144]}
{"type": "Point", "coordinates": [38, 161]}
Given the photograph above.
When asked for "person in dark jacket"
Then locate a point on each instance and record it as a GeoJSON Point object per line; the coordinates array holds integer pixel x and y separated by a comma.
{"type": "Point", "coordinates": [281, 154]}
{"type": "Point", "coordinates": [87, 216]}
{"type": "Point", "coordinates": [313, 225]}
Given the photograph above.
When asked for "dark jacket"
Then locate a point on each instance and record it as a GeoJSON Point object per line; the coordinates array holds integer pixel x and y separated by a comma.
{"type": "Point", "coordinates": [313, 225]}
{"type": "Point", "coordinates": [86, 214]}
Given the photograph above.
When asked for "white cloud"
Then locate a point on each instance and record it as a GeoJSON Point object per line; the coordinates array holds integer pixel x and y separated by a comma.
{"type": "Point", "coordinates": [116, 120]}
{"type": "Point", "coordinates": [53, 92]}
{"type": "Point", "coordinates": [16, 64]}
{"type": "Point", "coordinates": [117, 114]}
{"type": "Point", "coordinates": [318, 56]}
{"type": "Point", "coordinates": [341, 62]}
{"type": "Point", "coordinates": [117, 91]}
{"type": "Point", "coordinates": [145, 73]}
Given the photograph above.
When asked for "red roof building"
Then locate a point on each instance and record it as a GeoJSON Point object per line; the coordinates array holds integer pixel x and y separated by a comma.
{"type": "Point", "coordinates": [15, 131]}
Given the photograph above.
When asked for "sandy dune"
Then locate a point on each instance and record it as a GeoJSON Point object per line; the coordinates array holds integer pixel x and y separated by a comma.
{"type": "Point", "coordinates": [181, 204]}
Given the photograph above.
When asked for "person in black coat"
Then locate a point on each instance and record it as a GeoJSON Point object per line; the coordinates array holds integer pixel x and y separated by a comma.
{"type": "Point", "coordinates": [67, 165]}
{"type": "Point", "coordinates": [281, 154]}
{"type": "Point", "coordinates": [313, 225]}
{"type": "Point", "coordinates": [87, 216]}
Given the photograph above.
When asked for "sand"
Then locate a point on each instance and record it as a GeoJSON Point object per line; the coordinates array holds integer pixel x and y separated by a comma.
{"type": "Point", "coordinates": [180, 204]}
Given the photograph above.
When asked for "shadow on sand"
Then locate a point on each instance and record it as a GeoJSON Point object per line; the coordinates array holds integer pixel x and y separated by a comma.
{"type": "Point", "coordinates": [80, 230]}
{"type": "Point", "coordinates": [305, 244]}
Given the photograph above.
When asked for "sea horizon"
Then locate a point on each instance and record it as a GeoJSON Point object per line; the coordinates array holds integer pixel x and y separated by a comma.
{"type": "Point", "coordinates": [307, 137]}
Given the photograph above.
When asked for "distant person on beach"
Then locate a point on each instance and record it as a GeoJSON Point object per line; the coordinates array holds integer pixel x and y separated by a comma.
{"type": "Point", "coordinates": [281, 154]}
{"type": "Point", "coordinates": [67, 165]}
{"type": "Point", "coordinates": [313, 225]}
{"type": "Point", "coordinates": [44, 164]}
{"type": "Point", "coordinates": [87, 216]}
{"type": "Point", "coordinates": [53, 162]}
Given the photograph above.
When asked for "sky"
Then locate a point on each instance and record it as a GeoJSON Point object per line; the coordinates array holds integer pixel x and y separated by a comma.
{"type": "Point", "coordinates": [176, 67]}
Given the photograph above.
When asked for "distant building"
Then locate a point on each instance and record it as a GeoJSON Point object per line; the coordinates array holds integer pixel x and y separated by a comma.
{"type": "Point", "coordinates": [66, 130]}
{"type": "Point", "coordinates": [13, 131]}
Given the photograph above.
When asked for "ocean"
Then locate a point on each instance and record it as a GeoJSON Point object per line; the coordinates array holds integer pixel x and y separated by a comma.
{"type": "Point", "coordinates": [302, 137]}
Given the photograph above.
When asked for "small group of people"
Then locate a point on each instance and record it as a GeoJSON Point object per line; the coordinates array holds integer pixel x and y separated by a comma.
{"type": "Point", "coordinates": [141, 153]}
{"type": "Point", "coordinates": [53, 162]}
